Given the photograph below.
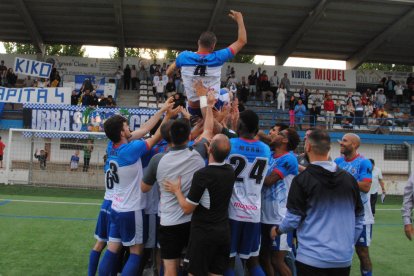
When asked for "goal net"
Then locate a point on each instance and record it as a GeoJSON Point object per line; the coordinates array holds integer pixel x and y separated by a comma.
{"type": "Point", "coordinates": [55, 158]}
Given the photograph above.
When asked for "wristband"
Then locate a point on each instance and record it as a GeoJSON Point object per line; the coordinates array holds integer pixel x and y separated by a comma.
{"type": "Point", "coordinates": [203, 101]}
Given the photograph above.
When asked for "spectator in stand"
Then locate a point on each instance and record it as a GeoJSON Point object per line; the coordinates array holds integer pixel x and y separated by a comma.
{"type": "Point", "coordinates": [142, 74]}
{"type": "Point", "coordinates": [3, 70]}
{"type": "Point", "coordinates": [380, 99]}
{"type": "Point", "coordinates": [2, 147]}
{"type": "Point", "coordinates": [56, 81]}
{"type": "Point", "coordinates": [28, 82]}
{"type": "Point", "coordinates": [94, 99]}
{"type": "Point", "coordinates": [86, 85]}
{"type": "Point", "coordinates": [274, 84]}
{"type": "Point", "coordinates": [159, 87]}
{"type": "Point", "coordinates": [163, 69]}
{"type": "Point", "coordinates": [350, 109]}
{"type": "Point", "coordinates": [74, 161]}
{"type": "Point", "coordinates": [258, 75]}
{"type": "Point", "coordinates": [389, 86]}
{"type": "Point", "coordinates": [11, 78]}
{"type": "Point", "coordinates": [87, 153]}
{"type": "Point", "coordinates": [292, 104]}
{"type": "Point", "coordinates": [401, 119]}
{"type": "Point", "coordinates": [42, 157]}
{"type": "Point", "coordinates": [232, 80]}
{"type": "Point", "coordinates": [177, 77]}
{"type": "Point", "coordinates": [127, 77]}
{"type": "Point", "coordinates": [329, 107]}
{"type": "Point", "coordinates": [359, 113]}
{"type": "Point", "coordinates": [264, 77]}
{"type": "Point", "coordinates": [228, 72]}
{"type": "Point", "coordinates": [281, 97]}
{"type": "Point", "coordinates": [350, 100]}
{"type": "Point", "coordinates": [368, 112]}
{"type": "Point", "coordinates": [244, 91]}
{"type": "Point", "coordinates": [398, 88]}
{"type": "Point", "coordinates": [364, 99]}
{"type": "Point", "coordinates": [313, 115]}
{"type": "Point", "coordinates": [305, 96]}
{"type": "Point", "coordinates": [118, 76]}
{"type": "Point", "coordinates": [170, 88]}
{"type": "Point", "coordinates": [86, 98]}
{"type": "Point", "coordinates": [74, 99]}
{"type": "Point", "coordinates": [338, 112]}
{"type": "Point", "coordinates": [381, 84]}
{"type": "Point", "coordinates": [265, 88]}
{"type": "Point", "coordinates": [153, 69]}
{"type": "Point", "coordinates": [286, 82]}
{"type": "Point", "coordinates": [110, 101]}
{"type": "Point", "coordinates": [134, 78]}
{"type": "Point", "coordinates": [102, 101]}
{"type": "Point", "coordinates": [300, 112]}
{"type": "Point", "coordinates": [410, 86]}
{"type": "Point", "coordinates": [317, 99]}
{"type": "Point", "coordinates": [252, 83]}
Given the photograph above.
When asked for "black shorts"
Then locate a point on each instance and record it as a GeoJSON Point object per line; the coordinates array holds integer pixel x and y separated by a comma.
{"type": "Point", "coordinates": [173, 239]}
{"type": "Point", "coordinates": [1, 157]}
{"type": "Point", "coordinates": [208, 252]}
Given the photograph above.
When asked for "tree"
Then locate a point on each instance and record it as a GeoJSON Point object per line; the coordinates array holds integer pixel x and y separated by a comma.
{"type": "Point", "coordinates": [171, 54]}
{"type": "Point", "coordinates": [51, 50]}
{"type": "Point", "coordinates": [240, 58]}
{"type": "Point", "coordinates": [129, 52]}
{"type": "Point", "coordinates": [385, 67]}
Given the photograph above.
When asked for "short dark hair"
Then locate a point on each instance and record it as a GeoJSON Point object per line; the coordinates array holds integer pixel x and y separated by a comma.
{"type": "Point", "coordinates": [320, 141]}
{"type": "Point", "coordinates": [179, 131]}
{"type": "Point", "coordinates": [372, 160]}
{"type": "Point", "coordinates": [220, 149]}
{"type": "Point", "coordinates": [113, 127]}
{"type": "Point", "coordinates": [281, 126]}
{"type": "Point", "coordinates": [293, 139]}
{"type": "Point", "coordinates": [165, 131]}
{"type": "Point", "coordinates": [248, 122]}
{"type": "Point", "coordinates": [207, 39]}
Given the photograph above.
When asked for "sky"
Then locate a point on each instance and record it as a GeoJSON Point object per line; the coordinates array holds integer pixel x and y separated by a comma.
{"type": "Point", "coordinates": [105, 52]}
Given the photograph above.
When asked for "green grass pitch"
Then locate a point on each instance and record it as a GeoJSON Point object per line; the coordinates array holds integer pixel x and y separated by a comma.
{"type": "Point", "coordinates": [39, 236]}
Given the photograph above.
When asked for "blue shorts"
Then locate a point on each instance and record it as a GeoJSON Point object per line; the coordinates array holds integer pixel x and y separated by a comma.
{"type": "Point", "coordinates": [245, 239]}
{"type": "Point", "coordinates": [128, 228]}
{"type": "Point", "coordinates": [366, 236]}
{"type": "Point", "coordinates": [282, 242]}
{"type": "Point", "coordinates": [104, 221]}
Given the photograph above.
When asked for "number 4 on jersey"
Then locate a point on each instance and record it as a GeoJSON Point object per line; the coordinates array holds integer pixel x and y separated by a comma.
{"type": "Point", "coordinates": [111, 176]}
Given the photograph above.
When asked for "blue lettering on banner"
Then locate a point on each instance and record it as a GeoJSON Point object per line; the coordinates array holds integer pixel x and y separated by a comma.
{"type": "Point", "coordinates": [2, 90]}
{"type": "Point", "coordinates": [32, 67]}
{"type": "Point", "coordinates": [29, 91]}
{"type": "Point", "coordinates": [42, 94]}
{"type": "Point", "coordinates": [60, 95]}
{"type": "Point", "coordinates": [19, 62]}
{"type": "Point", "coordinates": [12, 92]}
{"type": "Point", "coordinates": [134, 122]}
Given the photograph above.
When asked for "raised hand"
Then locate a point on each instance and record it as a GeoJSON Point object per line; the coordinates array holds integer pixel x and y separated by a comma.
{"type": "Point", "coordinates": [235, 15]}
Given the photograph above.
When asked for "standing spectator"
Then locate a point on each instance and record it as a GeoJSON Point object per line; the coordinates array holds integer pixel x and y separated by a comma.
{"type": "Point", "coordinates": [258, 75]}
{"type": "Point", "coordinates": [252, 83]}
{"type": "Point", "coordinates": [323, 202]}
{"type": "Point", "coordinates": [338, 112]}
{"type": "Point", "coordinates": [360, 168]}
{"type": "Point", "coordinates": [286, 82]}
{"type": "Point", "coordinates": [389, 86]}
{"type": "Point", "coordinates": [274, 84]}
{"type": "Point", "coordinates": [281, 97]}
{"type": "Point", "coordinates": [42, 157]}
{"type": "Point", "coordinates": [407, 208]}
{"type": "Point", "coordinates": [118, 76]}
{"type": "Point", "coordinates": [409, 83]}
{"type": "Point", "coordinates": [329, 107]}
{"type": "Point", "coordinates": [292, 104]}
{"type": "Point", "coordinates": [74, 161]}
{"type": "Point", "coordinates": [2, 147]}
{"type": "Point", "coordinates": [87, 152]}
{"type": "Point", "coordinates": [209, 246]}
{"type": "Point", "coordinates": [164, 68]}
{"type": "Point", "coordinates": [228, 72]}
{"type": "Point", "coordinates": [377, 181]}
{"type": "Point", "coordinates": [398, 88]}
{"type": "Point", "coordinates": [153, 69]}
{"type": "Point", "coordinates": [170, 88]}
{"type": "Point", "coordinates": [177, 77]}
{"type": "Point", "coordinates": [127, 77]}
{"type": "Point", "coordinates": [317, 99]}
{"type": "Point", "coordinates": [380, 99]}
{"type": "Point", "coordinates": [359, 113]}
{"type": "Point", "coordinates": [11, 78]}
{"type": "Point", "coordinates": [313, 115]}
{"type": "Point", "coordinates": [300, 112]}
{"type": "Point", "coordinates": [159, 87]}
{"type": "Point", "coordinates": [244, 91]}
{"type": "Point", "coordinates": [365, 99]}
{"type": "Point", "coordinates": [265, 87]}
{"type": "Point", "coordinates": [86, 98]}
{"type": "Point", "coordinates": [142, 74]}
{"type": "Point", "coordinates": [350, 100]}
{"type": "Point", "coordinates": [134, 78]}
{"type": "Point", "coordinates": [3, 70]}
{"type": "Point", "coordinates": [74, 99]}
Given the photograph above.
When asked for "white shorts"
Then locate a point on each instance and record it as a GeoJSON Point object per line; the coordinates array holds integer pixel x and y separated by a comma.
{"type": "Point", "coordinates": [128, 228]}
{"type": "Point", "coordinates": [366, 236]}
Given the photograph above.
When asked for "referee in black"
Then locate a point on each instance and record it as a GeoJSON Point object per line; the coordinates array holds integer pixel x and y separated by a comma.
{"type": "Point", "coordinates": [209, 197]}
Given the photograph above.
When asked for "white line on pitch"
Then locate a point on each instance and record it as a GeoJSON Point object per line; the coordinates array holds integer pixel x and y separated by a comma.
{"type": "Point", "coordinates": [387, 209]}
{"type": "Point", "coordinates": [51, 202]}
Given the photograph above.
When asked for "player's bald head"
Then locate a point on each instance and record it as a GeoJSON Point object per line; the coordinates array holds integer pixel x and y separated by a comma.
{"type": "Point", "coordinates": [220, 147]}
{"type": "Point", "coordinates": [352, 137]}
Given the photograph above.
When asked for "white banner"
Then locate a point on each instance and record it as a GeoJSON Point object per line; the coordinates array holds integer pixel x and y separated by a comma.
{"type": "Point", "coordinates": [55, 95]}
{"type": "Point", "coordinates": [31, 67]}
{"type": "Point", "coordinates": [310, 77]}
{"type": "Point", "coordinates": [374, 76]}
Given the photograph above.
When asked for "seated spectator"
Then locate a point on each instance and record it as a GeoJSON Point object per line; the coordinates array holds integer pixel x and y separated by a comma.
{"type": "Point", "coordinates": [368, 110]}
{"type": "Point", "coordinates": [102, 101]}
{"type": "Point", "coordinates": [110, 101]}
{"type": "Point", "coordinates": [381, 116]}
{"type": "Point", "coordinates": [265, 88]}
{"type": "Point", "coordinates": [28, 82]}
{"type": "Point", "coordinates": [380, 99]}
{"type": "Point", "coordinates": [300, 112]}
{"type": "Point", "coordinates": [365, 99]}
{"type": "Point", "coordinates": [401, 119]}
{"type": "Point", "coordinates": [74, 99]}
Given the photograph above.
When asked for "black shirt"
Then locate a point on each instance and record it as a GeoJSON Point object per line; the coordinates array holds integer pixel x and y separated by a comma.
{"type": "Point", "coordinates": [211, 188]}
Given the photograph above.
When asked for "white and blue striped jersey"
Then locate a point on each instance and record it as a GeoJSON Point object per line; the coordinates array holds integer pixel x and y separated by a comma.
{"type": "Point", "coordinates": [123, 175]}
{"type": "Point", "coordinates": [202, 66]}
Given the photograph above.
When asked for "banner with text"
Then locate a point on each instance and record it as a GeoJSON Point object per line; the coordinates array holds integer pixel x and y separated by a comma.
{"type": "Point", "coordinates": [79, 118]}
{"type": "Point", "coordinates": [374, 76]}
{"type": "Point", "coordinates": [298, 76]}
{"type": "Point", "coordinates": [36, 95]}
{"type": "Point", "coordinates": [32, 68]}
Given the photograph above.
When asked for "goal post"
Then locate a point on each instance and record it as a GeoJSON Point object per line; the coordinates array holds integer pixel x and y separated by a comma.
{"type": "Point", "coordinates": [55, 158]}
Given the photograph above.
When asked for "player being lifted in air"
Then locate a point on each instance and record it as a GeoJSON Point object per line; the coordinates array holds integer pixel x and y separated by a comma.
{"type": "Point", "coordinates": [205, 64]}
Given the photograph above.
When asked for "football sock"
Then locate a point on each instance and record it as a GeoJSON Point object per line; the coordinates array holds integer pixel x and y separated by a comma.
{"type": "Point", "coordinates": [132, 265]}
{"type": "Point", "coordinates": [108, 262]}
{"type": "Point", "coordinates": [366, 273]}
{"type": "Point", "coordinates": [93, 262]}
{"type": "Point", "coordinates": [257, 271]}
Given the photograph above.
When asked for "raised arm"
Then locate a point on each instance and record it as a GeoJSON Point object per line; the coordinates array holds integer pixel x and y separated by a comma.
{"type": "Point", "coordinates": [171, 69]}
{"type": "Point", "coordinates": [242, 35]}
